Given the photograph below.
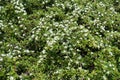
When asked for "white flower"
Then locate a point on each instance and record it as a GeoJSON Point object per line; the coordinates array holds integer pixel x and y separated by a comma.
{"type": "Point", "coordinates": [3, 55]}
{"type": "Point", "coordinates": [108, 72]}
{"type": "Point", "coordinates": [77, 62]}
{"type": "Point", "coordinates": [33, 36]}
{"type": "Point", "coordinates": [103, 28]}
{"type": "Point", "coordinates": [1, 59]}
{"type": "Point", "coordinates": [104, 77]}
{"type": "Point", "coordinates": [51, 31]}
{"type": "Point", "coordinates": [81, 26]}
{"type": "Point", "coordinates": [111, 53]}
{"type": "Point", "coordinates": [43, 51]}
{"type": "Point", "coordinates": [66, 57]}
{"type": "Point", "coordinates": [36, 38]}
{"type": "Point", "coordinates": [64, 51]}
{"type": "Point", "coordinates": [79, 57]}
{"type": "Point", "coordinates": [16, 47]}
{"type": "Point", "coordinates": [12, 78]}
{"type": "Point", "coordinates": [92, 53]}
{"type": "Point", "coordinates": [56, 38]}
{"type": "Point", "coordinates": [27, 51]}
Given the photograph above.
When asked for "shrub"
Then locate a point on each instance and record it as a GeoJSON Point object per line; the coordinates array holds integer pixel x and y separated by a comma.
{"type": "Point", "coordinates": [59, 40]}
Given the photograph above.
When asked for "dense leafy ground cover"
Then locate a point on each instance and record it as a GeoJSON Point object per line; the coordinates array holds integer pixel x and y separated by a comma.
{"type": "Point", "coordinates": [59, 39]}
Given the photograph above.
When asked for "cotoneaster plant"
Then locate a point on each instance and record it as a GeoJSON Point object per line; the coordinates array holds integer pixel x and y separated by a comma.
{"type": "Point", "coordinates": [59, 40]}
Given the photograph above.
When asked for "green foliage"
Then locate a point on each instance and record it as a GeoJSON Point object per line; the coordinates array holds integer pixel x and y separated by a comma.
{"type": "Point", "coordinates": [59, 40]}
